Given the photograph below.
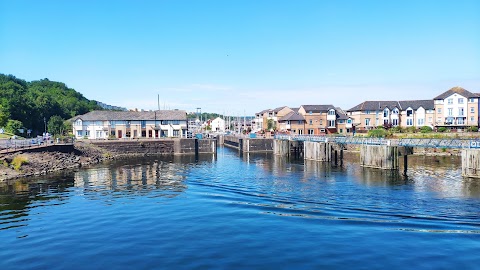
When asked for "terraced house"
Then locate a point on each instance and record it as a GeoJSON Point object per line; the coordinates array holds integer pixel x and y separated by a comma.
{"type": "Point", "coordinates": [271, 115]}
{"type": "Point", "coordinates": [457, 109]}
{"type": "Point", "coordinates": [130, 124]}
{"type": "Point", "coordinates": [407, 113]}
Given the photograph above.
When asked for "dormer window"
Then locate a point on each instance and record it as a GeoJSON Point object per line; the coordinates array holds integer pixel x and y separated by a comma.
{"type": "Point", "coordinates": [331, 112]}
{"type": "Point", "coordinates": [395, 111]}
{"type": "Point", "coordinates": [385, 113]}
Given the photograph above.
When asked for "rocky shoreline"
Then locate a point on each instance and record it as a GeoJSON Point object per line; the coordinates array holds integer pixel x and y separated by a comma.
{"type": "Point", "coordinates": [41, 163]}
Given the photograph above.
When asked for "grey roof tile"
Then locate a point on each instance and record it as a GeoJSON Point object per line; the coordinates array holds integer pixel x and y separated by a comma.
{"type": "Point", "coordinates": [133, 115]}
{"type": "Point", "coordinates": [458, 90]}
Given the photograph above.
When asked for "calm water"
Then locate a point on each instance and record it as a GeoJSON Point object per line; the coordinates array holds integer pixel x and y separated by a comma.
{"type": "Point", "coordinates": [249, 212]}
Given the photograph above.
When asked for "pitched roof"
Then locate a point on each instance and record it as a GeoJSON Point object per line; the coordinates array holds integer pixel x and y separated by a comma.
{"type": "Point", "coordinates": [131, 115]}
{"type": "Point", "coordinates": [341, 114]}
{"type": "Point", "coordinates": [457, 90]}
{"type": "Point", "coordinates": [317, 108]}
{"type": "Point", "coordinates": [415, 104]}
{"type": "Point", "coordinates": [292, 116]}
{"type": "Point", "coordinates": [295, 109]}
{"type": "Point", "coordinates": [375, 105]}
{"type": "Point", "coordinates": [279, 109]}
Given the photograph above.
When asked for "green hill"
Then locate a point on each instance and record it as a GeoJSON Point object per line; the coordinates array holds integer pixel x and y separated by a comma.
{"type": "Point", "coordinates": [32, 102]}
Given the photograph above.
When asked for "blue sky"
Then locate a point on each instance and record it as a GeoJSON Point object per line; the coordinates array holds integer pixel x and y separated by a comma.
{"type": "Point", "coordinates": [244, 56]}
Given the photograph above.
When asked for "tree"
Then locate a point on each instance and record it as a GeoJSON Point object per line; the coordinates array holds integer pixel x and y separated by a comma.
{"type": "Point", "coordinates": [4, 115]}
{"type": "Point", "coordinates": [13, 126]}
{"type": "Point", "coordinates": [270, 124]}
{"type": "Point", "coordinates": [56, 125]}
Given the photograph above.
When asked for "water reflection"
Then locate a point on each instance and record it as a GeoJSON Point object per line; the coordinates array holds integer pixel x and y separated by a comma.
{"type": "Point", "coordinates": [441, 175]}
{"type": "Point", "coordinates": [160, 177]}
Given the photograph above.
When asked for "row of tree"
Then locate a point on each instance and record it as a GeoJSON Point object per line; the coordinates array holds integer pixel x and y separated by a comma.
{"type": "Point", "coordinates": [31, 105]}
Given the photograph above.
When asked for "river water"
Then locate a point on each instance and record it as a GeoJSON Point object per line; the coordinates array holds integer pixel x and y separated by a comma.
{"type": "Point", "coordinates": [243, 212]}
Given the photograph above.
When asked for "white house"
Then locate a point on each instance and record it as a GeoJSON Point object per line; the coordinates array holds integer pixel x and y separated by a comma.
{"type": "Point", "coordinates": [217, 125]}
{"type": "Point", "coordinates": [130, 124]}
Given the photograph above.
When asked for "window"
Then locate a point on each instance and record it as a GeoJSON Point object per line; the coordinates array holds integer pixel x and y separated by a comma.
{"type": "Point", "coordinates": [310, 112]}
{"type": "Point", "coordinates": [322, 130]}
{"type": "Point", "coordinates": [128, 134]}
{"type": "Point", "coordinates": [395, 122]}
{"type": "Point", "coordinates": [460, 111]}
{"type": "Point", "coordinates": [112, 133]}
{"type": "Point", "coordinates": [385, 121]}
{"type": "Point", "coordinates": [78, 122]}
{"type": "Point", "coordinates": [439, 110]}
{"type": "Point", "coordinates": [294, 131]}
{"type": "Point", "coordinates": [450, 101]}
{"type": "Point", "coordinates": [395, 111]}
{"type": "Point", "coordinates": [112, 124]}
{"type": "Point", "coordinates": [460, 100]}
{"type": "Point", "coordinates": [471, 100]}
{"type": "Point", "coordinates": [409, 113]}
{"type": "Point", "coordinates": [176, 133]}
{"type": "Point", "coordinates": [430, 119]}
{"type": "Point", "coordinates": [349, 121]}
{"type": "Point", "coordinates": [175, 122]}
{"type": "Point", "coordinates": [341, 121]}
{"type": "Point", "coordinates": [409, 122]}
{"type": "Point", "coordinates": [460, 121]}
{"type": "Point", "coordinates": [144, 124]}
{"type": "Point", "coordinates": [420, 122]}
{"type": "Point", "coordinates": [98, 134]}
{"type": "Point", "coordinates": [367, 112]}
{"type": "Point", "coordinates": [367, 122]}
{"type": "Point", "coordinates": [321, 122]}
{"type": "Point", "coordinates": [311, 122]}
{"type": "Point", "coordinates": [144, 133]}
{"type": "Point", "coordinates": [310, 132]}
{"type": "Point", "coordinates": [450, 111]}
{"type": "Point", "coordinates": [300, 122]}
{"type": "Point", "coordinates": [331, 123]}
{"type": "Point", "coordinates": [385, 113]}
{"type": "Point", "coordinates": [87, 133]}
{"type": "Point", "coordinates": [300, 132]}
{"type": "Point", "coordinates": [472, 119]}
{"type": "Point", "coordinates": [79, 133]}
{"type": "Point", "coordinates": [128, 125]}
{"type": "Point", "coordinates": [331, 112]}
{"type": "Point", "coordinates": [472, 109]}
{"type": "Point", "coordinates": [341, 130]}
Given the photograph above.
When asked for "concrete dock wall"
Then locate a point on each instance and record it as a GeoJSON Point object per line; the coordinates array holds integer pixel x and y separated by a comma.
{"type": "Point", "coordinates": [281, 147]}
{"type": "Point", "coordinates": [157, 147]}
{"type": "Point", "coordinates": [379, 156]}
{"type": "Point", "coordinates": [257, 145]}
{"type": "Point", "coordinates": [471, 163]}
{"type": "Point", "coordinates": [187, 146]}
{"type": "Point", "coordinates": [319, 151]}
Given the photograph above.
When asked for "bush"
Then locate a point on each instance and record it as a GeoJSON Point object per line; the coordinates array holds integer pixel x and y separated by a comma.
{"type": "Point", "coordinates": [473, 129]}
{"type": "Point", "coordinates": [396, 130]}
{"type": "Point", "coordinates": [18, 161]}
{"type": "Point", "coordinates": [411, 129]}
{"type": "Point", "coordinates": [377, 133]}
{"type": "Point", "coordinates": [442, 129]}
{"type": "Point", "coordinates": [426, 129]}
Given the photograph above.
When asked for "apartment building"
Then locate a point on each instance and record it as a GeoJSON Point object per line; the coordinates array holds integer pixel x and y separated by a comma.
{"type": "Point", "coordinates": [130, 124]}
{"type": "Point", "coordinates": [293, 123]}
{"type": "Point", "coordinates": [319, 119]}
{"type": "Point", "coordinates": [457, 108]}
{"type": "Point", "coordinates": [407, 113]}
{"type": "Point", "coordinates": [271, 115]}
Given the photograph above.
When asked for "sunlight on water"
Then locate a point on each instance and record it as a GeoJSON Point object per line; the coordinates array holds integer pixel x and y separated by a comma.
{"type": "Point", "coordinates": [248, 211]}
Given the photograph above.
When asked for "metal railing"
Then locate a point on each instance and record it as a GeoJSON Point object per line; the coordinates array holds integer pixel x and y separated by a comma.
{"type": "Point", "coordinates": [406, 142]}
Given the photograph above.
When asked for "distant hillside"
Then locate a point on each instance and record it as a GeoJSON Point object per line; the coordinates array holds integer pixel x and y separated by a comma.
{"type": "Point", "coordinates": [31, 102]}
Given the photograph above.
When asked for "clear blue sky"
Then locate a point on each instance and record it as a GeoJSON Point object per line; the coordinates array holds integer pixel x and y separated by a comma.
{"type": "Point", "coordinates": [244, 56]}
